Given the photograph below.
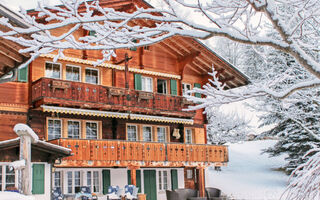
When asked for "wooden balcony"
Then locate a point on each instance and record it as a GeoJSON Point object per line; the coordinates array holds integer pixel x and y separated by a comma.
{"type": "Point", "coordinates": [112, 153]}
{"type": "Point", "coordinates": [88, 96]}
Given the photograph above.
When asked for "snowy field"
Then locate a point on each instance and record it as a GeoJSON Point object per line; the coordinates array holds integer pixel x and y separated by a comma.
{"type": "Point", "coordinates": [249, 174]}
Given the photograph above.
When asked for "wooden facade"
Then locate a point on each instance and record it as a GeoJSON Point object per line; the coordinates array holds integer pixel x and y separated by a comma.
{"type": "Point", "coordinates": [137, 120]}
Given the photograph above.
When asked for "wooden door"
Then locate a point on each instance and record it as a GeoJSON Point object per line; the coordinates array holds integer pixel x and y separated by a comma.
{"type": "Point", "coordinates": [150, 184]}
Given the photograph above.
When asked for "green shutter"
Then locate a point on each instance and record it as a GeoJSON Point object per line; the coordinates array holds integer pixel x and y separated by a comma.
{"type": "Point", "coordinates": [23, 74]}
{"type": "Point", "coordinates": [173, 87]}
{"type": "Point", "coordinates": [138, 178]}
{"type": "Point", "coordinates": [197, 85]}
{"type": "Point", "coordinates": [129, 177]}
{"type": "Point", "coordinates": [38, 179]}
{"type": "Point", "coordinates": [174, 179]}
{"type": "Point", "coordinates": [137, 82]}
{"type": "Point", "coordinates": [105, 181]}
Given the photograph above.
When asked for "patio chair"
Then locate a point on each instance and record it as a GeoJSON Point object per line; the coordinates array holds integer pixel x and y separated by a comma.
{"type": "Point", "coordinates": [57, 194]}
{"type": "Point", "coordinates": [213, 193]}
{"type": "Point", "coordinates": [113, 193]}
{"type": "Point", "coordinates": [185, 193]}
{"type": "Point", "coordinates": [131, 192]}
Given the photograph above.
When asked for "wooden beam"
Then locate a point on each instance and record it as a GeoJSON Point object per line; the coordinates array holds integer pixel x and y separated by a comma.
{"type": "Point", "coordinates": [12, 45]}
{"type": "Point", "coordinates": [7, 61]}
{"type": "Point", "coordinates": [194, 68]}
{"type": "Point", "coordinates": [13, 54]}
{"type": "Point", "coordinates": [183, 61]}
{"type": "Point", "coordinates": [168, 49]}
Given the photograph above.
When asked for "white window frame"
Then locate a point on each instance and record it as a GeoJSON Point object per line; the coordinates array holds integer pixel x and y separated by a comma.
{"type": "Point", "coordinates": [137, 138]}
{"type": "Point", "coordinates": [186, 132]}
{"type": "Point", "coordinates": [59, 179]}
{"type": "Point", "coordinates": [80, 128]}
{"type": "Point", "coordinates": [61, 127]}
{"type": "Point", "coordinates": [166, 86]}
{"type": "Point", "coordinates": [151, 136]}
{"type": "Point", "coordinates": [185, 89]}
{"type": "Point", "coordinates": [45, 69]}
{"type": "Point", "coordinates": [4, 174]}
{"type": "Point", "coordinates": [143, 85]}
{"type": "Point", "coordinates": [85, 75]}
{"type": "Point", "coordinates": [190, 173]}
{"type": "Point", "coordinates": [83, 179]}
{"type": "Point", "coordinates": [165, 134]}
{"type": "Point", "coordinates": [74, 66]}
{"type": "Point", "coordinates": [95, 122]}
{"type": "Point", "coordinates": [161, 180]}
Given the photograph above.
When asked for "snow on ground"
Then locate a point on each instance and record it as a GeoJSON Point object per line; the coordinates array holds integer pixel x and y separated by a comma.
{"type": "Point", "coordinates": [249, 174]}
{"type": "Point", "coordinates": [14, 196]}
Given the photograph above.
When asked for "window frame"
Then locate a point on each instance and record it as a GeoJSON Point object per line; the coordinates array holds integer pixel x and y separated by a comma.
{"type": "Point", "coordinates": [61, 127]}
{"type": "Point", "coordinates": [185, 136]}
{"type": "Point", "coordinates": [163, 180]}
{"type": "Point", "coordinates": [80, 127]}
{"type": "Point", "coordinates": [151, 136]}
{"type": "Point", "coordinates": [98, 75]}
{"type": "Point", "coordinates": [52, 63]}
{"type": "Point", "coordinates": [127, 133]}
{"type": "Point", "coordinates": [165, 134]}
{"type": "Point", "coordinates": [98, 127]}
{"type": "Point", "coordinates": [3, 180]}
{"type": "Point", "coordinates": [59, 179]}
{"type": "Point", "coordinates": [143, 87]}
{"type": "Point", "coordinates": [184, 89]}
{"type": "Point", "coordinates": [166, 86]}
{"type": "Point", "coordinates": [74, 66]}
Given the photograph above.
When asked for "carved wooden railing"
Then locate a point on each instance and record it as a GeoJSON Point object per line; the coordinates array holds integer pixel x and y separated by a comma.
{"type": "Point", "coordinates": [76, 94]}
{"type": "Point", "coordinates": [119, 151]}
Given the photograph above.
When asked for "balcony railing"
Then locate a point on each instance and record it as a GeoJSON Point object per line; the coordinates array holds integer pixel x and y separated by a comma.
{"type": "Point", "coordinates": [98, 153]}
{"type": "Point", "coordinates": [83, 95]}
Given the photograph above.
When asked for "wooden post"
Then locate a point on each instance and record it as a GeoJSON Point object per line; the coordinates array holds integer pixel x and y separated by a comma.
{"type": "Point", "coordinates": [133, 177]}
{"type": "Point", "coordinates": [201, 182]}
{"type": "Point", "coordinates": [133, 174]}
{"type": "Point", "coordinates": [27, 136]}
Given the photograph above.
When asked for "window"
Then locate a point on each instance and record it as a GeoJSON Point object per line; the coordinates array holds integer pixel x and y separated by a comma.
{"type": "Point", "coordinates": [163, 180]}
{"type": "Point", "coordinates": [162, 86]}
{"type": "Point", "coordinates": [7, 177]}
{"type": "Point", "coordinates": [91, 130]}
{"type": "Point", "coordinates": [92, 76]}
{"type": "Point", "coordinates": [146, 84]}
{"type": "Point", "coordinates": [74, 181]}
{"type": "Point", "coordinates": [92, 33]}
{"type": "Point", "coordinates": [161, 132]}
{"type": "Point", "coordinates": [132, 132]}
{"type": "Point", "coordinates": [54, 129]}
{"type": "Point", "coordinates": [10, 177]}
{"type": "Point", "coordinates": [96, 182]}
{"type": "Point", "coordinates": [147, 133]}
{"type": "Point", "coordinates": [188, 134]}
{"type": "Point", "coordinates": [95, 187]}
{"type": "Point", "coordinates": [73, 129]}
{"type": "Point", "coordinates": [23, 74]}
{"type": "Point", "coordinates": [69, 175]}
{"type": "Point", "coordinates": [185, 87]}
{"type": "Point", "coordinates": [189, 173]}
{"type": "Point", "coordinates": [53, 70]}
{"type": "Point", "coordinates": [73, 73]}
{"type": "Point", "coordinates": [57, 179]}
{"type": "Point", "coordinates": [89, 179]}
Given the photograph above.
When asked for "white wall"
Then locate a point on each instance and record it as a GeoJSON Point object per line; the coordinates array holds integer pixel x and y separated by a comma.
{"type": "Point", "coordinates": [119, 177]}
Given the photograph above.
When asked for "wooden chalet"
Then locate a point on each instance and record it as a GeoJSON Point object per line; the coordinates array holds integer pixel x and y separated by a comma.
{"type": "Point", "coordinates": [123, 124]}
